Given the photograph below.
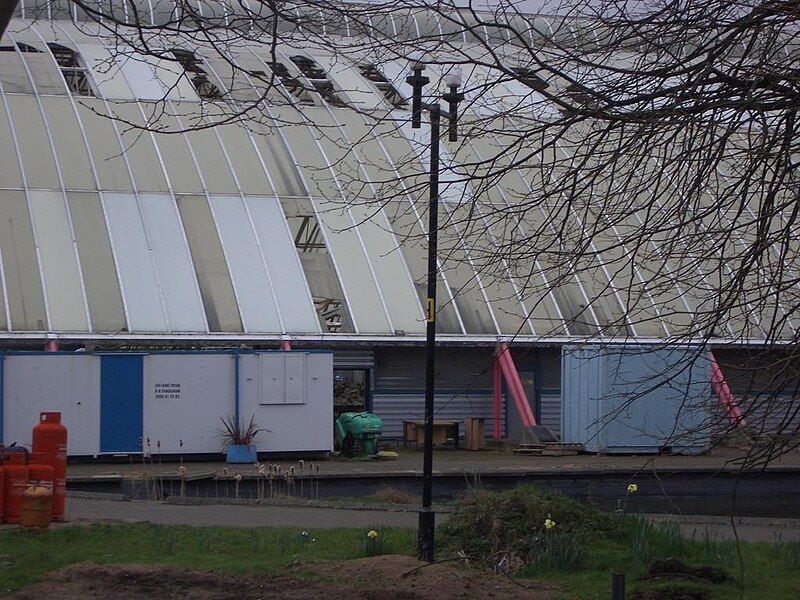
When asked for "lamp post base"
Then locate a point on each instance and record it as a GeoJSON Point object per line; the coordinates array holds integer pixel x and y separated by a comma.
{"type": "Point", "coordinates": [427, 523]}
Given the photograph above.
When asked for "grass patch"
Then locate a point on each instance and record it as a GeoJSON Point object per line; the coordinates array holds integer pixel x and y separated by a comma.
{"type": "Point", "coordinates": [579, 552]}
{"type": "Point", "coordinates": [26, 556]}
{"type": "Point", "coordinates": [581, 547]}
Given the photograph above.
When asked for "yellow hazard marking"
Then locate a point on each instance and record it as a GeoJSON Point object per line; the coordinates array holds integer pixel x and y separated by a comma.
{"type": "Point", "coordinates": [431, 310]}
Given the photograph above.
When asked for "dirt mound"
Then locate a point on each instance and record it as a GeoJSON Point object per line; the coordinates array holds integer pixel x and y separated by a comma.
{"type": "Point", "coordinates": [415, 579]}
{"type": "Point", "coordinates": [135, 582]}
{"type": "Point", "coordinates": [378, 578]}
{"type": "Point", "coordinates": [676, 569]}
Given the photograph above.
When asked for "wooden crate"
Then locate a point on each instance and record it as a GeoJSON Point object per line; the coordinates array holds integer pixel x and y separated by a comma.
{"type": "Point", "coordinates": [475, 439]}
{"type": "Point", "coordinates": [548, 449]}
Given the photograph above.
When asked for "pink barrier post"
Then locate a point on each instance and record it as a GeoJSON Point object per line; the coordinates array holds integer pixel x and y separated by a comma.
{"type": "Point", "coordinates": [496, 385]}
{"type": "Point", "coordinates": [724, 394]}
{"type": "Point", "coordinates": [285, 345]}
{"type": "Point", "coordinates": [515, 386]}
{"type": "Point", "coordinates": [51, 346]}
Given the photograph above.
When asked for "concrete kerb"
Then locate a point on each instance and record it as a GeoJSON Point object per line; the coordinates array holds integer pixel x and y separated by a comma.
{"type": "Point", "coordinates": [303, 503]}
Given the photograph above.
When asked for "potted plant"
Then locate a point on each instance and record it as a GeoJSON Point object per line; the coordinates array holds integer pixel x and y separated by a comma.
{"type": "Point", "coordinates": [238, 442]}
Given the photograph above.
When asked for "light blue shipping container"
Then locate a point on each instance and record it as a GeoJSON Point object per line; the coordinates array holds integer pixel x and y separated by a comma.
{"type": "Point", "coordinates": [636, 399]}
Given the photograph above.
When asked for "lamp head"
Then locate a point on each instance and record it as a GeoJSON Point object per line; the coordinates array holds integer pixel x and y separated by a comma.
{"type": "Point", "coordinates": [417, 81]}
{"type": "Point", "coordinates": [453, 78]}
{"type": "Point", "coordinates": [416, 60]}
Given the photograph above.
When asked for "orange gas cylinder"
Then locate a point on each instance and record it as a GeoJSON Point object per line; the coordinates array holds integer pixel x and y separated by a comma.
{"type": "Point", "coordinates": [16, 475]}
{"type": "Point", "coordinates": [35, 507]}
{"type": "Point", "coordinates": [50, 447]}
{"type": "Point", "coordinates": [40, 473]}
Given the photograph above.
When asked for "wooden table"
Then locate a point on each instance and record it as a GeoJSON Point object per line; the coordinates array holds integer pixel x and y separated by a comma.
{"type": "Point", "coordinates": [414, 431]}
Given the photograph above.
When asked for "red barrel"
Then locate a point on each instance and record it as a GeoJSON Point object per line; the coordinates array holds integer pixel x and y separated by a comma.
{"type": "Point", "coordinates": [16, 476]}
{"type": "Point", "coordinates": [50, 447]}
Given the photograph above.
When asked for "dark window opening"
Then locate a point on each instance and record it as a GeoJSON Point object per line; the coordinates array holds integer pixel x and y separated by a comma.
{"type": "Point", "coordinates": [530, 78]}
{"type": "Point", "coordinates": [581, 94]}
{"type": "Point", "coordinates": [327, 91]}
{"type": "Point", "coordinates": [308, 67]}
{"type": "Point", "coordinates": [317, 77]}
{"type": "Point", "coordinates": [7, 49]}
{"type": "Point", "coordinates": [309, 236]}
{"type": "Point", "coordinates": [192, 65]}
{"type": "Point", "coordinates": [72, 69]}
{"type": "Point", "coordinates": [385, 86]}
{"type": "Point", "coordinates": [292, 84]}
{"type": "Point", "coordinates": [330, 310]}
{"type": "Point", "coordinates": [26, 48]}
{"type": "Point", "coordinates": [350, 387]}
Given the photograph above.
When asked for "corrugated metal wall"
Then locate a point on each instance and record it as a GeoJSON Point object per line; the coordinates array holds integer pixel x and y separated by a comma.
{"type": "Point", "coordinates": [636, 399]}
{"type": "Point", "coordinates": [403, 369]}
{"type": "Point", "coordinates": [766, 385]}
{"type": "Point", "coordinates": [771, 415]}
{"type": "Point", "coordinates": [582, 386]}
{"type": "Point", "coordinates": [550, 412]}
{"type": "Point", "coordinates": [393, 409]}
{"type": "Point", "coordinates": [463, 384]}
{"type": "Point", "coordinates": [353, 359]}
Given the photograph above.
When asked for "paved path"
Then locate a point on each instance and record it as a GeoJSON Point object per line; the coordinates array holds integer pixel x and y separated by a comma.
{"type": "Point", "coordinates": [91, 510]}
{"type": "Point", "coordinates": [445, 461]}
{"type": "Point", "coordinates": [749, 529]}
{"type": "Point", "coordinates": [85, 510]}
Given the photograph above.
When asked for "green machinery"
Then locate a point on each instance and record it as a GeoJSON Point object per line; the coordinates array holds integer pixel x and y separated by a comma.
{"type": "Point", "coordinates": [358, 433]}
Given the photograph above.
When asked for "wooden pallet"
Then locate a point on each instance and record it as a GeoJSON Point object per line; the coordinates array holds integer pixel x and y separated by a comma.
{"type": "Point", "coordinates": [548, 449]}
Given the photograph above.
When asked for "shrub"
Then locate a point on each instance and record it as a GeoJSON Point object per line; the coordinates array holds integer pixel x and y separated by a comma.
{"type": "Point", "coordinates": [374, 543]}
{"type": "Point", "coordinates": [790, 552]}
{"type": "Point", "coordinates": [500, 529]}
{"type": "Point", "coordinates": [559, 551]}
{"type": "Point", "coordinates": [651, 541]}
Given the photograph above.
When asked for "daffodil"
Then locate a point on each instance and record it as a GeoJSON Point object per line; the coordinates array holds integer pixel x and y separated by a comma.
{"type": "Point", "coordinates": [549, 523]}
{"type": "Point", "coordinates": [632, 488]}
{"type": "Point", "coordinates": [372, 534]}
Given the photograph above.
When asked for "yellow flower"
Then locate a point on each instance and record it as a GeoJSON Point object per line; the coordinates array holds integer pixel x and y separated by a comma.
{"type": "Point", "coordinates": [549, 523]}
{"type": "Point", "coordinates": [632, 488]}
{"type": "Point", "coordinates": [372, 534]}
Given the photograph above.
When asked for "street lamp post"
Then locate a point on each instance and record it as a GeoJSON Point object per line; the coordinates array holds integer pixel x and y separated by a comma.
{"type": "Point", "coordinates": [417, 80]}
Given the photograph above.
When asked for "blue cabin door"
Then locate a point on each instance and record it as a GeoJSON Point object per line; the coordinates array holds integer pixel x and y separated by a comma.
{"type": "Point", "coordinates": [121, 390]}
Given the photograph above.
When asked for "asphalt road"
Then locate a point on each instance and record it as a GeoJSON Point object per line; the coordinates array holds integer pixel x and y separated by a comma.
{"type": "Point", "coordinates": [86, 510]}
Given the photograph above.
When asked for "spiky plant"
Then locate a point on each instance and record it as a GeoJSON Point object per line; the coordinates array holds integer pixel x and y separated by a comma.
{"type": "Point", "coordinates": [234, 435]}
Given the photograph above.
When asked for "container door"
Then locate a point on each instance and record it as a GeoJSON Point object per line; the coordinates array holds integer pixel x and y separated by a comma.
{"type": "Point", "coordinates": [294, 378]}
{"type": "Point", "coordinates": [121, 404]}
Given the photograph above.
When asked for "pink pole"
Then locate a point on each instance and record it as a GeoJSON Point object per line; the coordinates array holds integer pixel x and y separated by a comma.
{"type": "Point", "coordinates": [496, 385]}
{"type": "Point", "coordinates": [285, 345]}
{"type": "Point", "coordinates": [51, 346]}
{"type": "Point", "coordinates": [724, 394]}
{"type": "Point", "coordinates": [515, 386]}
